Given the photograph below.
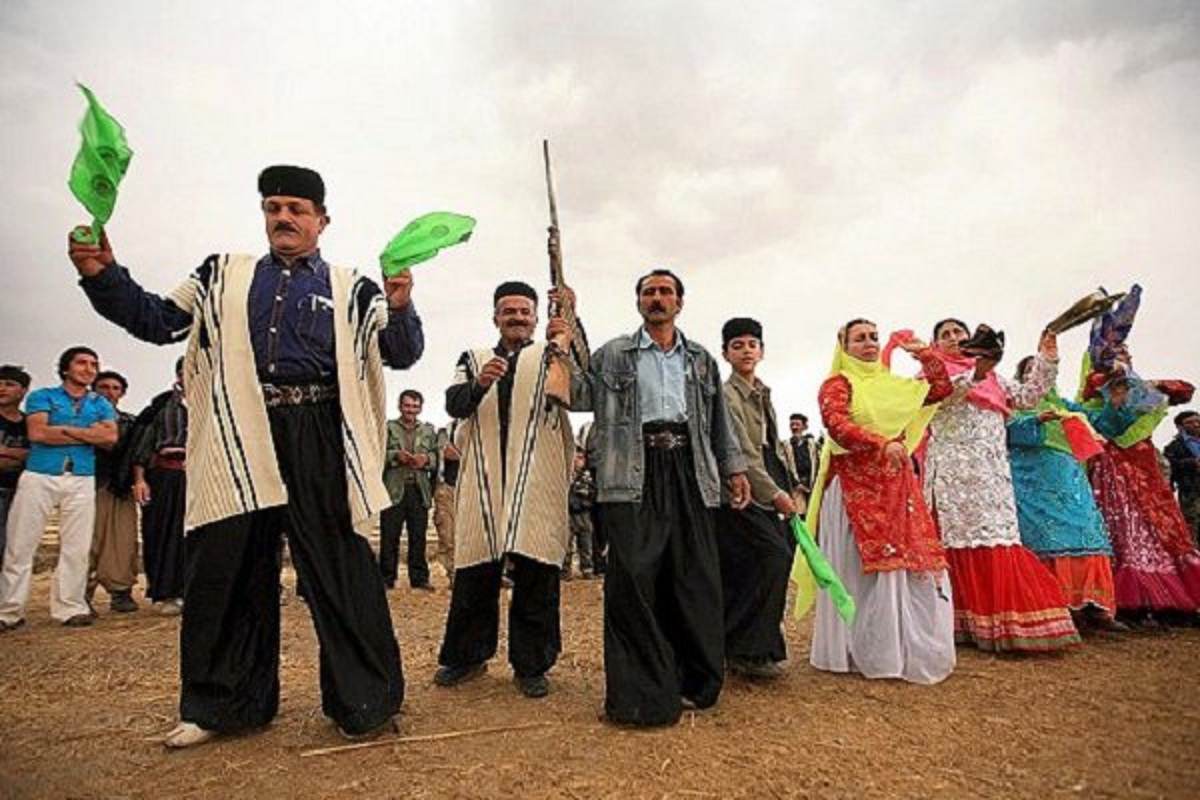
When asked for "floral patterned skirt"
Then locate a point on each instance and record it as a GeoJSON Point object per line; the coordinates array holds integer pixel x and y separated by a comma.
{"type": "Point", "coordinates": [1006, 600]}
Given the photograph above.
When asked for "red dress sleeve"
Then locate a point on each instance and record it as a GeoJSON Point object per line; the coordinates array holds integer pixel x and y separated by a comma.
{"type": "Point", "coordinates": [1177, 392]}
{"type": "Point", "coordinates": [1091, 386]}
{"type": "Point", "coordinates": [834, 400]}
{"type": "Point", "coordinates": [940, 386]}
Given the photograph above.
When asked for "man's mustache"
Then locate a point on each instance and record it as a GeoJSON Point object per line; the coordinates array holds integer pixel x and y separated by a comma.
{"type": "Point", "coordinates": [283, 226]}
{"type": "Point", "coordinates": [657, 307]}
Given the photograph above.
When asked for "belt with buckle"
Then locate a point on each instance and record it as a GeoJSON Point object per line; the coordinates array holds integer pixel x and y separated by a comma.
{"type": "Point", "coordinates": [665, 440]}
{"type": "Point", "coordinates": [305, 394]}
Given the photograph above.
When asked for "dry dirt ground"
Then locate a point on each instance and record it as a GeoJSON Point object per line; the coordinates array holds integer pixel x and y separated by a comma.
{"type": "Point", "coordinates": [81, 712]}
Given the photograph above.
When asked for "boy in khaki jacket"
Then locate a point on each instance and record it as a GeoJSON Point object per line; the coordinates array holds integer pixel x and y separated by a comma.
{"type": "Point", "coordinates": [754, 543]}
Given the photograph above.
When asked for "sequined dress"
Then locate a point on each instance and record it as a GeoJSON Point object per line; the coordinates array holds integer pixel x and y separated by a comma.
{"type": "Point", "coordinates": [1004, 597]}
{"type": "Point", "coordinates": [1156, 565]}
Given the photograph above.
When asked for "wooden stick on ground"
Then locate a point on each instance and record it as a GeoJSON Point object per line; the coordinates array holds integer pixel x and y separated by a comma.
{"type": "Point", "coordinates": [430, 737]}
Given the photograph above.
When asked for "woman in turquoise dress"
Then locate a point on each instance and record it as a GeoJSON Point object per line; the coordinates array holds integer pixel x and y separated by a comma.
{"type": "Point", "coordinates": [1057, 513]}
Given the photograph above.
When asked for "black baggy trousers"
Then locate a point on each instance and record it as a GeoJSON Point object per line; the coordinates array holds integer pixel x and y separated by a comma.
{"type": "Point", "coordinates": [229, 641]}
{"type": "Point", "coordinates": [663, 619]}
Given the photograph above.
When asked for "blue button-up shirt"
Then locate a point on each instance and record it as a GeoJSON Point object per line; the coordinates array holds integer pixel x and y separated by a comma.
{"type": "Point", "coordinates": [62, 409]}
{"type": "Point", "coordinates": [291, 320]}
{"type": "Point", "coordinates": [660, 380]}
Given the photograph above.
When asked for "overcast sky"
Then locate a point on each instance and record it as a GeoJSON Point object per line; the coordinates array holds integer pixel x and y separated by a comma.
{"type": "Point", "coordinates": [803, 163]}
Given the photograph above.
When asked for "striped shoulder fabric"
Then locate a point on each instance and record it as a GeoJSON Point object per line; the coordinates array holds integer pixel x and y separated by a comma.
{"type": "Point", "coordinates": [519, 506]}
{"type": "Point", "coordinates": [231, 458]}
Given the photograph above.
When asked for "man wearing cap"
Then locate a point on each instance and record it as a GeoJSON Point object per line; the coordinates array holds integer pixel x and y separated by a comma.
{"type": "Point", "coordinates": [511, 499]}
{"type": "Point", "coordinates": [286, 410]}
{"type": "Point", "coordinates": [663, 446]}
{"type": "Point", "coordinates": [755, 545]}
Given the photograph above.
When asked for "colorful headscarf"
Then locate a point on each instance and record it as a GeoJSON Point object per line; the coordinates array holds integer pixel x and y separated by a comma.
{"type": "Point", "coordinates": [1111, 329]}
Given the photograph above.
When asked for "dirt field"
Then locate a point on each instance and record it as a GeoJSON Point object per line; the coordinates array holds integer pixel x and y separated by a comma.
{"type": "Point", "coordinates": [81, 711]}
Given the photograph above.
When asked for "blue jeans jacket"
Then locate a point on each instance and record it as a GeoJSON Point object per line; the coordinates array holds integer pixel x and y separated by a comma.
{"type": "Point", "coordinates": [609, 389]}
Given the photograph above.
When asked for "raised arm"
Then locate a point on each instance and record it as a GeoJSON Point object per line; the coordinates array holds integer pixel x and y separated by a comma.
{"type": "Point", "coordinates": [118, 298]}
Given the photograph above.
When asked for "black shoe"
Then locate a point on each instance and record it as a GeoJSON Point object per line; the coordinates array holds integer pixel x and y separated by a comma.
{"type": "Point", "coordinates": [534, 686]}
{"type": "Point", "coordinates": [8, 627]}
{"type": "Point", "coordinates": [79, 621]}
{"type": "Point", "coordinates": [390, 725]}
{"type": "Point", "coordinates": [123, 603]}
{"type": "Point", "coordinates": [755, 670]}
{"type": "Point", "coordinates": [453, 676]}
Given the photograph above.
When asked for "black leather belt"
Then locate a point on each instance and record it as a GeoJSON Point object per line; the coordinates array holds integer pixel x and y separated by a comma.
{"type": "Point", "coordinates": [298, 394]}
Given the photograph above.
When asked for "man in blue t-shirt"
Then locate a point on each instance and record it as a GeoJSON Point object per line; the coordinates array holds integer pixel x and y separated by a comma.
{"type": "Point", "coordinates": [65, 424]}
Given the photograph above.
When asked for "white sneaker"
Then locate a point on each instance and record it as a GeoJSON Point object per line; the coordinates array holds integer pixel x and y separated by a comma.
{"type": "Point", "coordinates": [170, 608]}
{"type": "Point", "coordinates": [187, 734]}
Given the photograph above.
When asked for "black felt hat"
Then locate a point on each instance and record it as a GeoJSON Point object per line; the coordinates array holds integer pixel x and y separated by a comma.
{"type": "Point", "coordinates": [514, 289]}
{"type": "Point", "coordinates": [292, 181]}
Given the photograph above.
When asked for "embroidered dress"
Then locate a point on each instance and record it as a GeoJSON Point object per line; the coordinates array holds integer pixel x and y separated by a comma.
{"type": "Point", "coordinates": [1157, 565]}
{"type": "Point", "coordinates": [1005, 599]}
{"type": "Point", "coordinates": [1058, 517]}
{"type": "Point", "coordinates": [876, 531]}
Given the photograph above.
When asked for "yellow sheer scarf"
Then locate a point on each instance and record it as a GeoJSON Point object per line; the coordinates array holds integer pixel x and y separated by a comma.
{"type": "Point", "coordinates": [883, 403]}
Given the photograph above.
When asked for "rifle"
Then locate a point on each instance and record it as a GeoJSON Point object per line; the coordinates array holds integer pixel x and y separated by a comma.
{"type": "Point", "coordinates": [565, 308]}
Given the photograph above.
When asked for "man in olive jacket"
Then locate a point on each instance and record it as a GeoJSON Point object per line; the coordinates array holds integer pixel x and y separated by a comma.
{"type": "Point", "coordinates": [409, 464]}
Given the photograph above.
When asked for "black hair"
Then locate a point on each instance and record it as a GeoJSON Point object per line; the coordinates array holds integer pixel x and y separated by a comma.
{"type": "Point", "coordinates": [798, 416]}
{"type": "Point", "coordinates": [11, 372]}
{"type": "Point", "coordinates": [64, 361]}
{"type": "Point", "coordinates": [660, 273]}
{"type": "Point", "coordinates": [112, 375]}
{"type": "Point", "coordinates": [948, 320]}
{"type": "Point", "coordinates": [414, 394]}
{"type": "Point", "coordinates": [844, 331]}
{"type": "Point", "coordinates": [1023, 365]}
{"type": "Point", "coordinates": [1184, 416]}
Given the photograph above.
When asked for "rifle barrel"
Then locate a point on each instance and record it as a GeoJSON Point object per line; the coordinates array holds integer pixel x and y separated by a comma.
{"type": "Point", "coordinates": [550, 183]}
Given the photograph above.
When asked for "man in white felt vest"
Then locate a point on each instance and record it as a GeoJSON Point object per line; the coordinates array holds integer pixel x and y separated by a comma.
{"type": "Point", "coordinates": [286, 409]}
{"type": "Point", "coordinates": [511, 500]}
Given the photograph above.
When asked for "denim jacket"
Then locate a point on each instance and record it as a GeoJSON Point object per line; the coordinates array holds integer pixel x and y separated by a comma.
{"type": "Point", "coordinates": [610, 390]}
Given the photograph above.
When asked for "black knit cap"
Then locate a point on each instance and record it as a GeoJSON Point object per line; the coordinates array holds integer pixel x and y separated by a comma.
{"type": "Point", "coordinates": [514, 289]}
{"type": "Point", "coordinates": [740, 326]}
{"type": "Point", "coordinates": [292, 181]}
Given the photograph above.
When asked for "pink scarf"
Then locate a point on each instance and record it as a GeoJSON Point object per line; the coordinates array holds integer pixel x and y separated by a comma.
{"type": "Point", "coordinates": [988, 394]}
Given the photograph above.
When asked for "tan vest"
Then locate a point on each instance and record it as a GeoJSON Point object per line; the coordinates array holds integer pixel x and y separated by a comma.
{"type": "Point", "coordinates": [522, 508]}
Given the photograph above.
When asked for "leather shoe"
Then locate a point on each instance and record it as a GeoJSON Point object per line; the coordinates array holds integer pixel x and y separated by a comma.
{"type": "Point", "coordinates": [389, 725]}
{"type": "Point", "coordinates": [534, 686]}
{"type": "Point", "coordinates": [123, 603]}
{"type": "Point", "coordinates": [755, 670]}
{"type": "Point", "coordinates": [78, 621]}
{"type": "Point", "coordinates": [453, 676]}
